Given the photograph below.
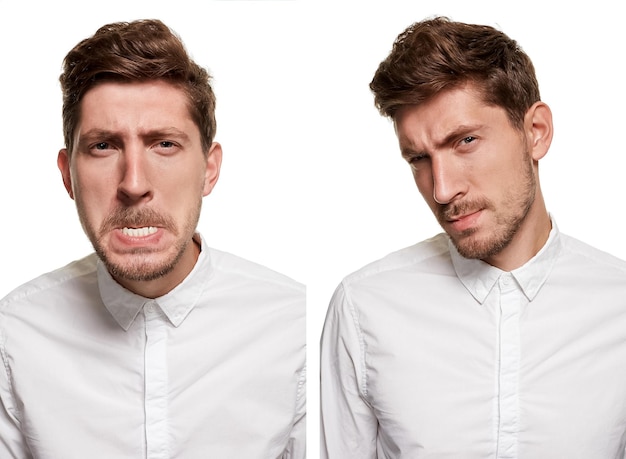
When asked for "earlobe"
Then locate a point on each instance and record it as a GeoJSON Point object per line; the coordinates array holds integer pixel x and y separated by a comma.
{"type": "Point", "coordinates": [213, 165]}
{"type": "Point", "coordinates": [540, 129]}
{"type": "Point", "coordinates": [63, 163]}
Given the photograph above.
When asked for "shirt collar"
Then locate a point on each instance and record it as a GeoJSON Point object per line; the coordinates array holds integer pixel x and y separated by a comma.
{"type": "Point", "coordinates": [479, 277]}
{"type": "Point", "coordinates": [124, 305]}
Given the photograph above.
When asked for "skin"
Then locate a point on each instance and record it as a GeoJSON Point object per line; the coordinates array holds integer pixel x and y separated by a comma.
{"type": "Point", "coordinates": [138, 164]}
{"type": "Point", "coordinates": [479, 174]}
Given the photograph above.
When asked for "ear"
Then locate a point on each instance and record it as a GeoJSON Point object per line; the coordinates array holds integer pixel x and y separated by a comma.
{"type": "Point", "coordinates": [63, 163]}
{"type": "Point", "coordinates": [213, 165]}
{"type": "Point", "coordinates": [539, 129]}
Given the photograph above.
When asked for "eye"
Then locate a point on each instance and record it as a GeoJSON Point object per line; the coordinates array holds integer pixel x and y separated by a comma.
{"type": "Point", "coordinates": [467, 140]}
{"type": "Point", "coordinates": [414, 156]}
{"type": "Point", "coordinates": [417, 158]}
{"type": "Point", "coordinates": [101, 148]}
{"type": "Point", "coordinates": [166, 147]}
{"type": "Point", "coordinates": [417, 161]}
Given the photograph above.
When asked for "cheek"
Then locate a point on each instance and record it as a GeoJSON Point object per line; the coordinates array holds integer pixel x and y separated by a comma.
{"type": "Point", "coordinates": [180, 191]}
{"type": "Point", "coordinates": [93, 194]}
{"type": "Point", "coordinates": [95, 187]}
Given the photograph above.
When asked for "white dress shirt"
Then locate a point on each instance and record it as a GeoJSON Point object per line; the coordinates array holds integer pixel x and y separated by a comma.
{"type": "Point", "coordinates": [426, 354]}
{"type": "Point", "coordinates": [213, 369]}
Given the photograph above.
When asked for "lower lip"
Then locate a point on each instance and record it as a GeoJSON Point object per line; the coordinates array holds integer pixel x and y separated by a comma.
{"type": "Point", "coordinates": [465, 223]}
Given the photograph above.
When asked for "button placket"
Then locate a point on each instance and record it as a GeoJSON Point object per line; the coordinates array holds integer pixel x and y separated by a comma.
{"type": "Point", "coordinates": [508, 375]}
{"type": "Point", "coordinates": [156, 383]}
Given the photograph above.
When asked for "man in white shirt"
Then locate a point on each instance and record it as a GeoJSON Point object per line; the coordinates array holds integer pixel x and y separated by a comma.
{"type": "Point", "coordinates": [156, 346]}
{"type": "Point", "coordinates": [500, 338]}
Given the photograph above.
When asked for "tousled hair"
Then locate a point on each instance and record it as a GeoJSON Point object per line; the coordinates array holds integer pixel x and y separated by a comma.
{"type": "Point", "coordinates": [135, 51]}
{"type": "Point", "coordinates": [438, 54]}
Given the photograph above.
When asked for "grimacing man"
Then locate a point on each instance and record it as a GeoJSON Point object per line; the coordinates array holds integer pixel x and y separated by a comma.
{"type": "Point", "coordinates": [500, 337]}
{"type": "Point", "coordinates": [155, 346]}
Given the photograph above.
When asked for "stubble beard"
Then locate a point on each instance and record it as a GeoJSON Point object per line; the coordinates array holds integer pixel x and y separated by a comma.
{"type": "Point", "coordinates": [469, 244]}
{"type": "Point", "coordinates": [137, 265]}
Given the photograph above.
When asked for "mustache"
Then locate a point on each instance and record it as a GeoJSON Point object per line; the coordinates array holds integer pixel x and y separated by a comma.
{"type": "Point", "coordinates": [452, 210]}
{"type": "Point", "coordinates": [136, 218]}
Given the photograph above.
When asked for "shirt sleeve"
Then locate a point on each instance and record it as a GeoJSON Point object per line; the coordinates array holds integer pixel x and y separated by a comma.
{"type": "Point", "coordinates": [297, 440]}
{"type": "Point", "coordinates": [348, 424]}
{"type": "Point", "coordinates": [12, 442]}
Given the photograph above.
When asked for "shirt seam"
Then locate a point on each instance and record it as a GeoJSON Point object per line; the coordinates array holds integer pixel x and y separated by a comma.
{"type": "Point", "coordinates": [34, 286]}
{"type": "Point", "coordinates": [287, 283]}
{"type": "Point", "coordinates": [222, 262]}
{"type": "Point", "coordinates": [300, 393]}
{"type": "Point", "coordinates": [397, 260]}
{"type": "Point", "coordinates": [363, 387]}
{"type": "Point", "coordinates": [7, 369]}
{"type": "Point", "coordinates": [595, 255]}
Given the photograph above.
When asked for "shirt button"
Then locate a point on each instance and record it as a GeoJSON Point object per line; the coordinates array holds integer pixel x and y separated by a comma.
{"type": "Point", "coordinates": [150, 308]}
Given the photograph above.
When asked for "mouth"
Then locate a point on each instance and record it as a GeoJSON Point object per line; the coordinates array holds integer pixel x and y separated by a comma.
{"type": "Point", "coordinates": [464, 222]}
{"type": "Point", "coordinates": [139, 232]}
{"type": "Point", "coordinates": [128, 239]}
{"type": "Point", "coordinates": [457, 218]}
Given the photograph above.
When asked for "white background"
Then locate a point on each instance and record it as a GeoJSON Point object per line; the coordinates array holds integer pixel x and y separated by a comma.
{"type": "Point", "coordinates": [312, 183]}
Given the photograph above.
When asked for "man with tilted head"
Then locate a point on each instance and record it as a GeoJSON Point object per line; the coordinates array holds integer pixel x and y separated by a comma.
{"type": "Point", "coordinates": [500, 337]}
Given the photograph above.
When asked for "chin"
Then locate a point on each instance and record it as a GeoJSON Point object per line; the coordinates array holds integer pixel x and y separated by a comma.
{"type": "Point", "coordinates": [140, 266]}
{"type": "Point", "coordinates": [477, 248]}
{"type": "Point", "coordinates": [143, 272]}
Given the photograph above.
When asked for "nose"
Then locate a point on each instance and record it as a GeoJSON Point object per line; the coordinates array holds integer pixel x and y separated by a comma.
{"type": "Point", "coordinates": [448, 180]}
{"type": "Point", "coordinates": [134, 185]}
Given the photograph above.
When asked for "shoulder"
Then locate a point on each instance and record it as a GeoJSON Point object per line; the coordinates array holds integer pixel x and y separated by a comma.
{"type": "Point", "coordinates": [577, 252]}
{"type": "Point", "coordinates": [245, 289]}
{"type": "Point", "coordinates": [53, 283]}
{"type": "Point", "coordinates": [431, 256]}
{"type": "Point", "coordinates": [240, 269]}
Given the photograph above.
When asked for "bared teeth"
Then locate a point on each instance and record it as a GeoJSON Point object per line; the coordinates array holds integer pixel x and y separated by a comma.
{"type": "Point", "coordinates": [139, 232]}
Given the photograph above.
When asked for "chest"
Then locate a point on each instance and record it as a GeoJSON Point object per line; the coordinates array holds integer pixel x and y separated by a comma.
{"type": "Point", "coordinates": [507, 378]}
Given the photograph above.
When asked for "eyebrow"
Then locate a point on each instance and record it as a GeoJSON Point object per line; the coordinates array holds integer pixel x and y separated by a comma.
{"type": "Point", "coordinates": [105, 134]}
{"type": "Point", "coordinates": [458, 132]}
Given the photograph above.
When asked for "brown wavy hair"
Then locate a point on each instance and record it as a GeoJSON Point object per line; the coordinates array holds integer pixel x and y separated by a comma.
{"type": "Point", "coordinates": [438, 54]}
{"type": "Point", "coordinates": [141, 50]}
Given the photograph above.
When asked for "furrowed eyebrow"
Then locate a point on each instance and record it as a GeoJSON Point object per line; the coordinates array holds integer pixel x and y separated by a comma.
{"type": "Point", "coordinates": [411, 153]}
{"type": "Point", "coordinates": [94, 135]}
{"type": "Point", "coordinates": [171, 132]}
{"type": "Point", "coordinates": [450, 138]}
{"type": "Point", "coordinates": [105, 134]}
{"type": "Point", "coordinates": [458, 133]}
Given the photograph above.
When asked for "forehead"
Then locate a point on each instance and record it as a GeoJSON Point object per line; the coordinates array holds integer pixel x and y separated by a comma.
{"type": "Point", "coordinates": [147, 102]}
{"type": "Point", "coordinates": [452, 110]}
